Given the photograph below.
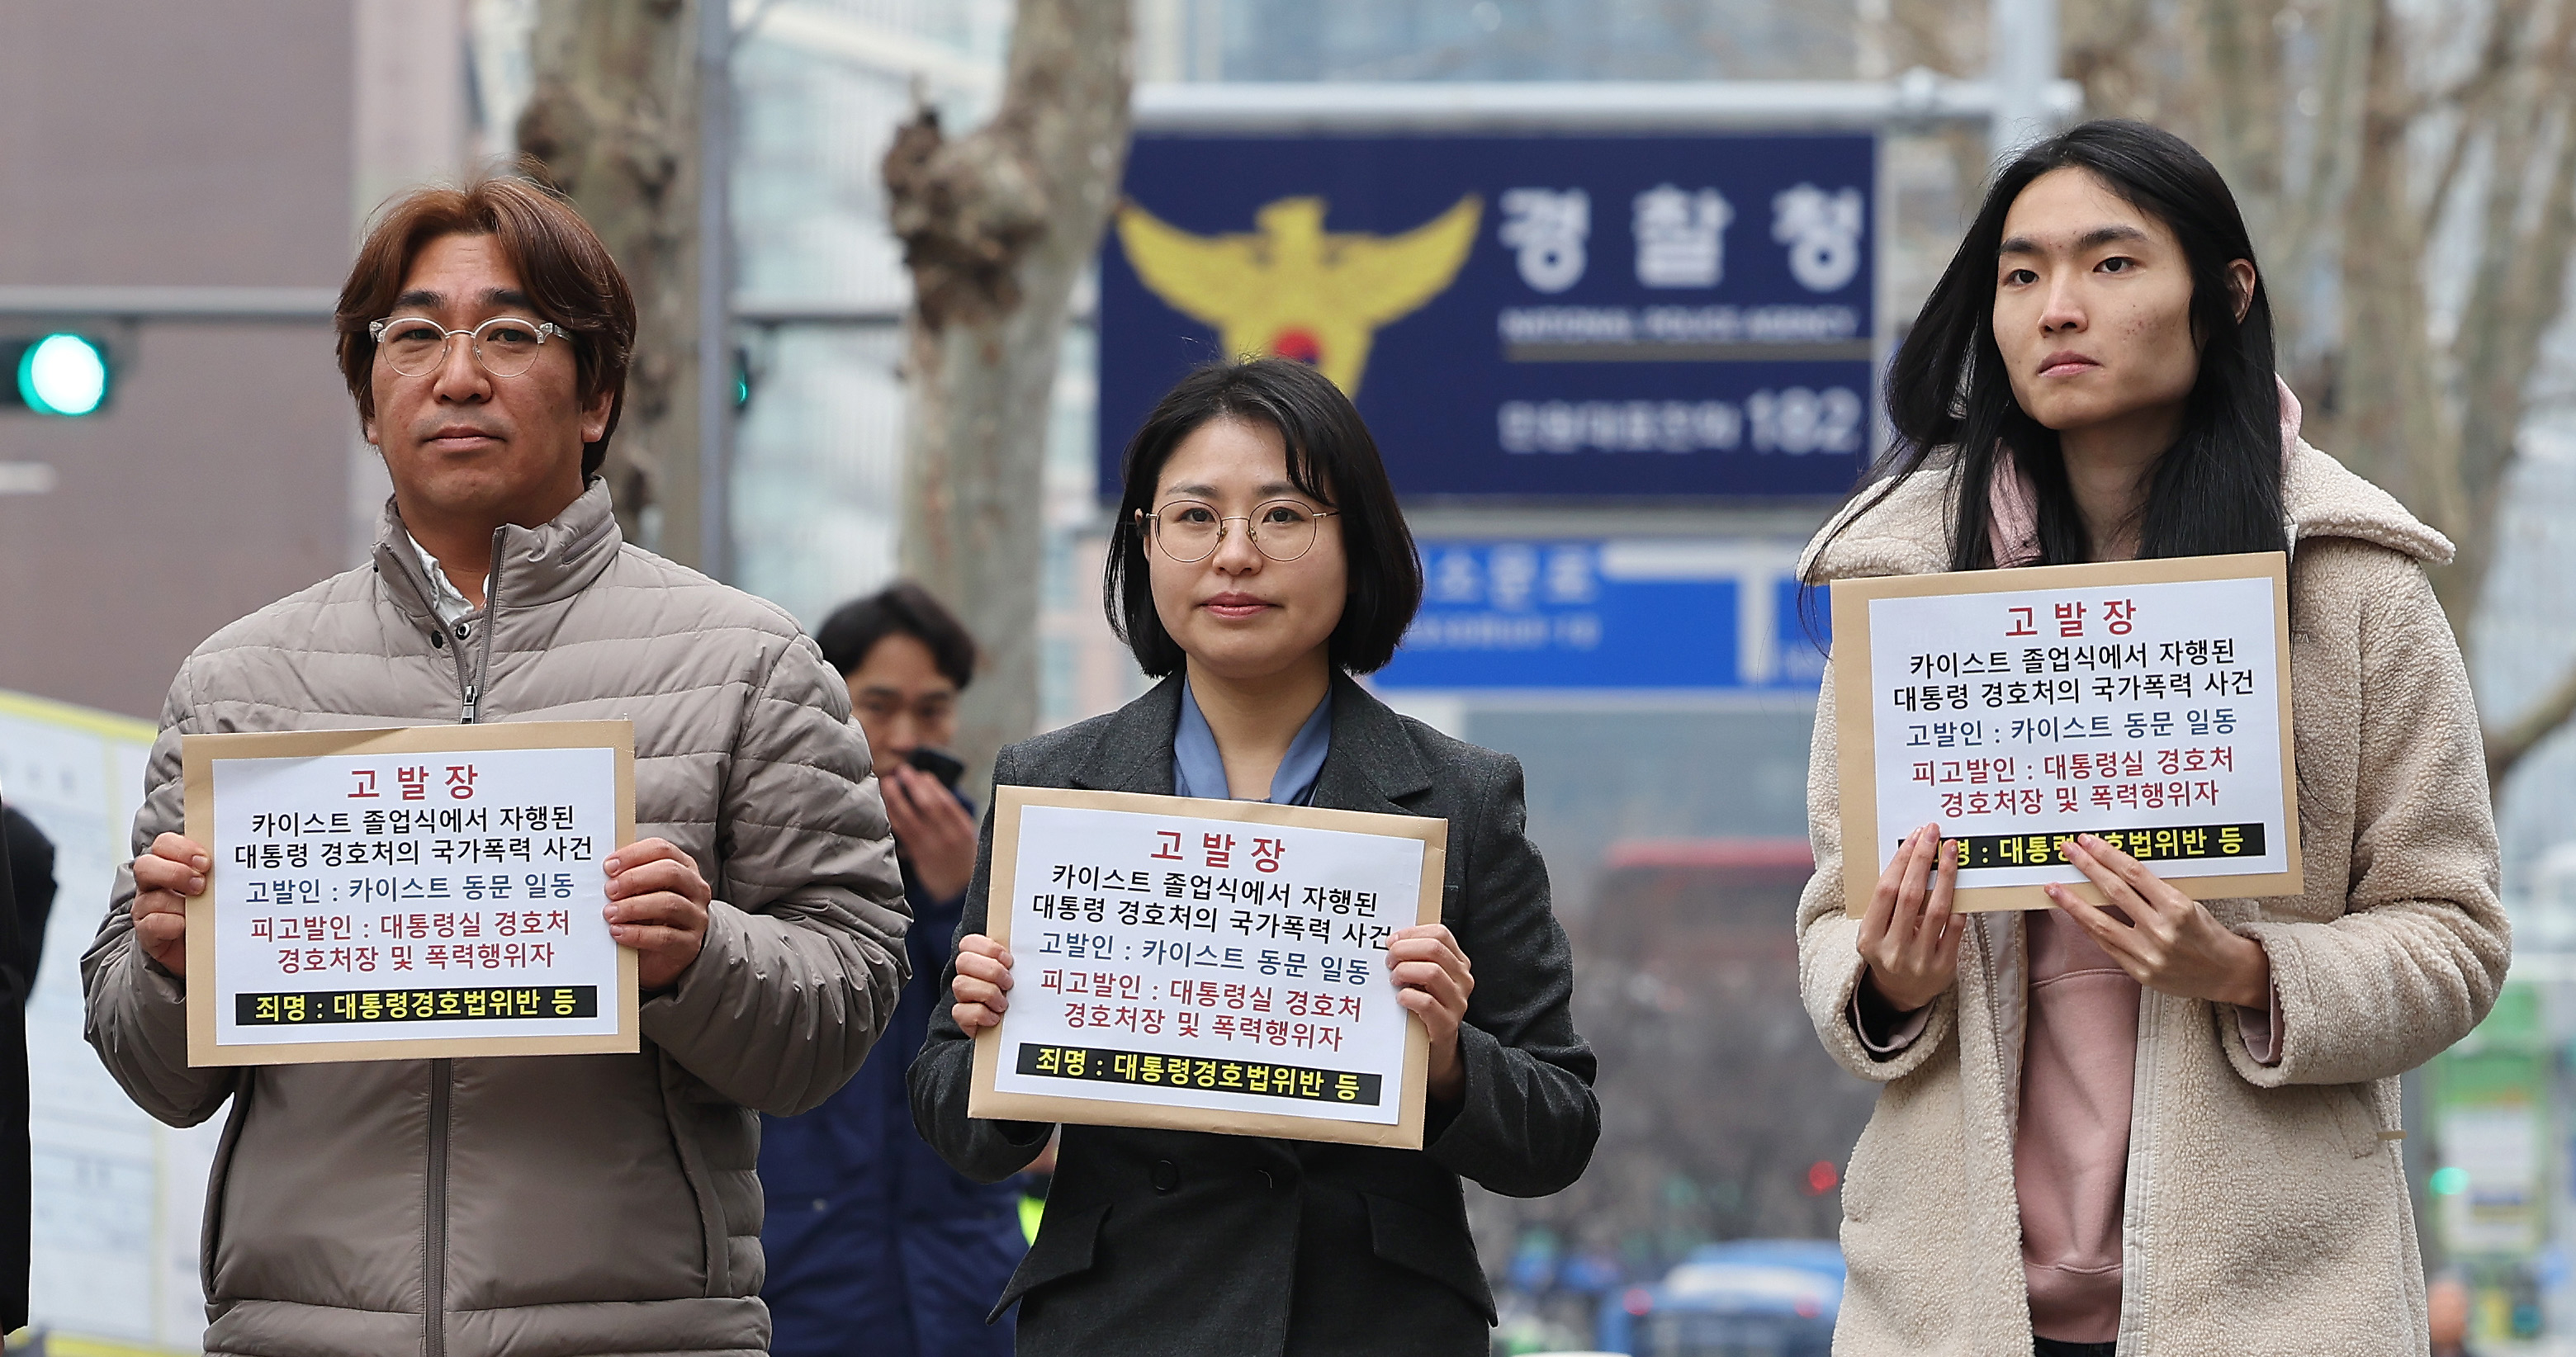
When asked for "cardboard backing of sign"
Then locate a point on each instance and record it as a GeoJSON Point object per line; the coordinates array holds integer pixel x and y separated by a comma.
{"type": "Point", "coordinates": [198, 753]}
{"type": "Point", "coordinates": [1855, 725]}
{"type": "Point", "coordinates": [984, 1100]}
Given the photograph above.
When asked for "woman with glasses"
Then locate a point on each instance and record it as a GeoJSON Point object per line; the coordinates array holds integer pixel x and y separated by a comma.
{"type": "Point", "coordinates": [1258, 561]}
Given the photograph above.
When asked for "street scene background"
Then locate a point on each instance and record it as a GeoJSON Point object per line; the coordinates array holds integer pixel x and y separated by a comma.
{"type": "Point", "coordinates": [1613, 282]}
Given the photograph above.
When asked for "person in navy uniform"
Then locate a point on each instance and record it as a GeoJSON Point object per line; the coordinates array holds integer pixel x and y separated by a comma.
{"type": "Point", "coordinates": [875, 1246]}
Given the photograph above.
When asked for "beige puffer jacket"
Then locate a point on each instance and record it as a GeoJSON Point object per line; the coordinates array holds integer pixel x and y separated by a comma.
{"type": "Point", "coordinates": [2266, 1208]}
{"type": "Point", "coordinates": [562, 1205]}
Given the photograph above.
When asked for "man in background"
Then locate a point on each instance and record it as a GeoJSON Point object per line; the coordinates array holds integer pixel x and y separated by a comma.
{"type": "Point", "coordinates": [2446, 1305]}
{"type": "Point", "coordinates": [875, 1245]}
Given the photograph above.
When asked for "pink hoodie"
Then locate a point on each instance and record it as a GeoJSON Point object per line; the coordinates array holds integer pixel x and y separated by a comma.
{"type": "Point", "coordinates": [2079, 1052]}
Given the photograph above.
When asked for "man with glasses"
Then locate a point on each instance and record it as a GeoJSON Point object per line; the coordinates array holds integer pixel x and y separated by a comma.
{"type": "Point", "coordinates": [876, 1247]}
{"type": "Point", "coordinates": [571, 1204]}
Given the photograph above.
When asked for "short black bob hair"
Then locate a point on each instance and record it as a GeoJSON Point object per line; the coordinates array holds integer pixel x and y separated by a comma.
{"type": "Point", "coordinates": [1331, 459]}
{"type": "Point", "coordinates": [2217, 490]}
{"type": "Point", "coordinates": [900, 609]}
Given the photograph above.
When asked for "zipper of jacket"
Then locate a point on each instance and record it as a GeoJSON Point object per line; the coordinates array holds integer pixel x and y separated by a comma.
{"type": "Point", "coordinates": [442, 1073]}
{"type": "Point", "coordinates": [433, 1288]}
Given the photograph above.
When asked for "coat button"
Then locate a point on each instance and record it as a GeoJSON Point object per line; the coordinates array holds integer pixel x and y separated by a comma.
{"type": "Point", "coordinates": [1266, 1179]}
{"type": "Point", "coordinates": [1167, 1175]}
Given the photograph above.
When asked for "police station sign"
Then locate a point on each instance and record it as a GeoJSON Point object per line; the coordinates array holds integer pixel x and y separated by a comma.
{"type": "Point", "coordinates": [1518, 316]}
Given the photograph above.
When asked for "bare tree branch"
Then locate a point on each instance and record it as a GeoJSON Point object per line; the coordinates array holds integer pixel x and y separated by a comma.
{"type": "Point", "coordinates": [2507, 746]}
{"type": "Point", "coordinates": [2471, 98]}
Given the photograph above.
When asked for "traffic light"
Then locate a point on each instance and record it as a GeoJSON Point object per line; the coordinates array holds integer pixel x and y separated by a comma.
{"type": "Point", "coordinates": [61, 373]}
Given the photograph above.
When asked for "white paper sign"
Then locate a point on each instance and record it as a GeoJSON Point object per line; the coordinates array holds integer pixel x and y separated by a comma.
{"type": "Point", "coordinates": [1207, 963]}
{"type": "Point", "coordinates": [2146, 712]}
{"type": "Point", "coordinates": [414, 896]}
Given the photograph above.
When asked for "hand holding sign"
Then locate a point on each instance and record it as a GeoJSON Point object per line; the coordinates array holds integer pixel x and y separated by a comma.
{"type": "Point", "coordinates": [1910, 937]}
{"type": "Point", "coordinates": [657, 905]}
{"type": "Point", "coordinates": [163, 880]}
{"type": "Point", "coordinates": [2171, 942]}
{"type": "Point", "coordinates": [1435, 980]}
{"type": "Point", "coordinates": [982, 985]}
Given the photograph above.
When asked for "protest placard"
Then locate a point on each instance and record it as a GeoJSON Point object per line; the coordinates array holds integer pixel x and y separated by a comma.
{"type": "Point", "coordinates": [2147, 702]}
{"type": "Point", "coordinates": [406, 894]}
{"type": "Point", "coordinates": [1206, 965]}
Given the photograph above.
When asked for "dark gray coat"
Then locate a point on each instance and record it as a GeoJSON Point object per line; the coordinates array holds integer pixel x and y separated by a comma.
{"type": "Point", "coordinates": [1190, 1243]}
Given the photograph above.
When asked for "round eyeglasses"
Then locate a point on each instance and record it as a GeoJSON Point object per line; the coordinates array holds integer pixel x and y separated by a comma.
{"type": "Point", "coordinates": [506, 346]}
{"type": "Point", "coordinates": [1187, 530]}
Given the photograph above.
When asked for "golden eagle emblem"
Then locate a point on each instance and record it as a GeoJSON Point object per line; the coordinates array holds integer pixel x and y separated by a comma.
{"type": "Point", "coordinates": [1292, 288]}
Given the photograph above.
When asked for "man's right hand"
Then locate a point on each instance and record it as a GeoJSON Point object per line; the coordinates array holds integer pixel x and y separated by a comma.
{"type": "Point", "coordinates": [935, 831]}
{"type": "Point", "coordinates": [1910, 937]}
{"type": "Point", "coordinates": [983, 983]}
{"type": "Point", "coordinates": [163, 880]}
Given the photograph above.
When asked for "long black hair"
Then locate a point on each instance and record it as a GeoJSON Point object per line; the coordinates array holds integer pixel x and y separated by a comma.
{"type": "Point", "coordinates": [2218, 488]}
{"type": "Point", "coordinates": [1332, 459]}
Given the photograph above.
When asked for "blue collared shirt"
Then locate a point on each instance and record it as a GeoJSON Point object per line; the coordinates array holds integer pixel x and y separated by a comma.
{"type": "Point", "coordinates": [1199, 770]}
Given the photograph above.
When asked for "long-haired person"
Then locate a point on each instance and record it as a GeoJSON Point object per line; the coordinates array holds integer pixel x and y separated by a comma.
{"type": "Point", "coordinates": [2164, 1126]}
{"type": "Point", "coordinates": [1258, 561]}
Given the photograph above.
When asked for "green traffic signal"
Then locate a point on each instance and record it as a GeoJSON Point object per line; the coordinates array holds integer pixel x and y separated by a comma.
{"type": "Point", "coordinates": [60, 374]}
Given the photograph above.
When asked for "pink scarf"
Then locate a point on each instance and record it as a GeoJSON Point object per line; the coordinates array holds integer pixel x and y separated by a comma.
{"type": "Point", "coordinates": [2012, 506]}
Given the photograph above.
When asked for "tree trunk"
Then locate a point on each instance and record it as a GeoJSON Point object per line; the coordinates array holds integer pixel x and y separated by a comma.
{"type": "Point", "coordinates": [997, 227]}
{"type": "Point", "coordinates": [613, 119]}
{"type": "Point", "coordinates": [2392, 430]}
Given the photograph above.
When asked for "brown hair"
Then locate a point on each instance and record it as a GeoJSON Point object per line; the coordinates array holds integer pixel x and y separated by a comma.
{"type": "Point", "coordinates": [566, 271]}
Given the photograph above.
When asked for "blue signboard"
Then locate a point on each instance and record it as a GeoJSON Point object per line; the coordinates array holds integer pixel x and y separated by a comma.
{"type": "Point", "coordinates": [1698, 615]}
{"type": "Point", "coordinates": [1518, 316]}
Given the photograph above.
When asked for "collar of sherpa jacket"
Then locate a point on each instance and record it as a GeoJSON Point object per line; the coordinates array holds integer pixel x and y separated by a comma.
{"type": "Point", "coordinates": [1372, 763]}
{"type": "Point", "coordinates": [1909, 532]}
{"type": "Point", "coordinates": [534, 566]}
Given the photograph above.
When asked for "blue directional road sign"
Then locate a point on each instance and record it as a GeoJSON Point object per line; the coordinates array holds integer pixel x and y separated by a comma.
{"type": "Point", "coordinates": [1696, 615]}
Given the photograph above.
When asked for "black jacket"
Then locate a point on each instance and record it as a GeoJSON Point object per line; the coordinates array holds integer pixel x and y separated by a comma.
{"type": "Point", "coordinates": [1189, 1243]}
{"type": "Point", "coordinates": [31, 875]}
{"type": "Point", "coordinates": [16, 1175]}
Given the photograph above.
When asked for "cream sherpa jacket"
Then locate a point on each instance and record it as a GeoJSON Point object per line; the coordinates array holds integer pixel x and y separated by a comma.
{"type": "Point", "coordinates": [2266, 1207]}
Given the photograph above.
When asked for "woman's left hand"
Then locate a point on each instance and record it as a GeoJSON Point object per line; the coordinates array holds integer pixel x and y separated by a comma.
{"type": "Point", "coordinates": [1433, 980]}
{"type": "Point", "coordinates": [2171, 943]}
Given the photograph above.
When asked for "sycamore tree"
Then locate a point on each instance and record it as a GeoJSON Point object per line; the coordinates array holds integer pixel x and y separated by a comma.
{"type": "Point", "coordinates": [613, 119]}
{"type": "Point", "coordinates": [997, 227]}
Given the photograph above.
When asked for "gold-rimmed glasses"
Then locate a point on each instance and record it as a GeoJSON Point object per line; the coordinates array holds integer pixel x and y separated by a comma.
{"type": "Point", "coordinates": [1188, 530]}
{"type": "Point", "coordinates": [506, 346]}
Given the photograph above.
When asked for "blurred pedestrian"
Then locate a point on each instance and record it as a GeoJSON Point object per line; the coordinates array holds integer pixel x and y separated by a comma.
{"type": "Point", "coordinates": [567, 1204]}
{"type": "Point", "coordinates": [2448, 1307]}
{"type": "Point", "coordinates": [1258, 560]}
{"type": "Point", "coordinates": [31, 872]}
{"type": "Point", "coordinates": [2164, 1125]}
{"type": "Point", "coordinates": [2446, 1304]}
{"type": "Point", "coordinates": [876, 1247]}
